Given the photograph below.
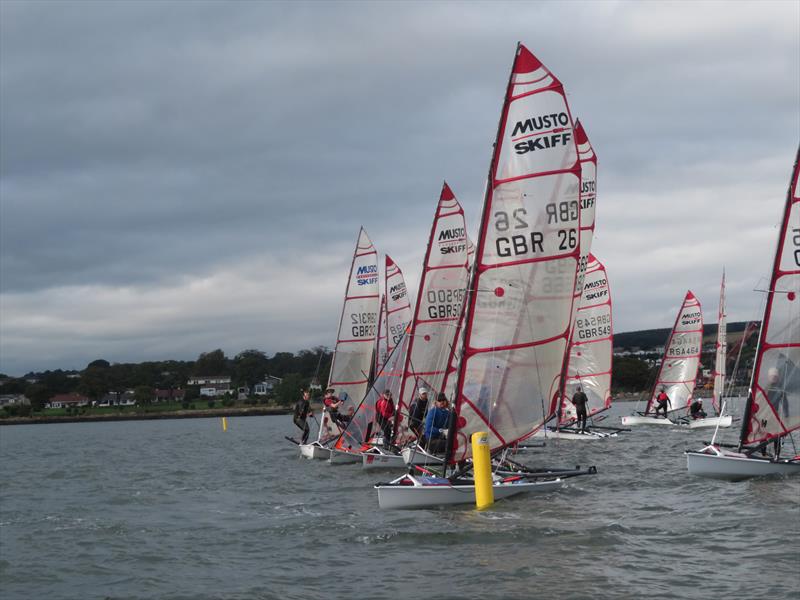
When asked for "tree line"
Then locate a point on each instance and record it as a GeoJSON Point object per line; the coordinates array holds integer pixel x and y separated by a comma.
{"type": "Point", "coordinates": [246, 369]}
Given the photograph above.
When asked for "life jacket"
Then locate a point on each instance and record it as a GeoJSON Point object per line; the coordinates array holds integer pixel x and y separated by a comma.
{"type": "Point", "coordinates": [385, 407]}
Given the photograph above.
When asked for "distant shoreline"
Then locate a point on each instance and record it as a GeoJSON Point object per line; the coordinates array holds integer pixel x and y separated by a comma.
{"type": "Point", "coordinates": [145, 416]}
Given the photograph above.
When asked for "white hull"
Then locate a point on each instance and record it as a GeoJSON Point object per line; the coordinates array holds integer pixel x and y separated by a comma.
{"type": "Point", "coordinates": [314, 451]}
{"type": "Point", "coordinates": [417, 456]}
{"type": "Point", "coordinates": [636, 420]}
{"type": "Point", "coordinates": [723, 421]}
{"type": "Point", "coordinates": [418, 494]}
{"type": "Point", "coordinates": [341, 457]}
{"type": "Point", "coordinates": [564, 434]}
{"type": "Point", "coordinates": [721, 464]}
{"type": "Point", "coordinates": [382, 460]}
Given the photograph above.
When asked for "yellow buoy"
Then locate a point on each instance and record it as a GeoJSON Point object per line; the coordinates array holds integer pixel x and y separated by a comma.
{"type": "Point", "coordinates": [482, 464]}
{"type": "Point", "coordinates": [224, 423]}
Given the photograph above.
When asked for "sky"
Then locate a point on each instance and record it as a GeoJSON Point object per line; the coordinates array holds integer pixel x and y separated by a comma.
{"type": "Point", "coordinates": [177, 177]}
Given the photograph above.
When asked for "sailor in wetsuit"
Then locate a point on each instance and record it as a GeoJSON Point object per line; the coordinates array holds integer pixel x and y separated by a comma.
{"type": "Point", "coordinates": [301, 413]}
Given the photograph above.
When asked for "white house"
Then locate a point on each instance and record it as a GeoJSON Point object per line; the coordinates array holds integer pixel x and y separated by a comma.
{"type": "Point", "coordinates": [266, 386]}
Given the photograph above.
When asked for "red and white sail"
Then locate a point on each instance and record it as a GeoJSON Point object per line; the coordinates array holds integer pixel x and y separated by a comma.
{"type": "Point", "coordinates": [362, 427]}
{"type": "Point", "coordinates": [721, 350]}
{"type": "Point", "coordinates": [588, 161]}
{"type": "Point", "coordinates": [442, 288]}
{"type": "Point", "coordinates": [398, 306]}
{"type": "Point", "coordinates": [381, 352]}
{"type": "Point", "coordinates": [451, 378]}
{"type": "Point", "coordinates": [678, 371]}
{"type": "Point", "coordinates": [773, 408]}
{"type": "Point", "coordinates": [592, 345]}
{"type": "Point", "coordinates": [520, 304]}
{"type": "Point", "coordinates": [355, 343]}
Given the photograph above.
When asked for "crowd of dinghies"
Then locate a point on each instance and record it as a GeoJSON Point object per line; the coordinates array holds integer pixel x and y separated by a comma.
{"type": "Point", "coordinates": [510, 327]}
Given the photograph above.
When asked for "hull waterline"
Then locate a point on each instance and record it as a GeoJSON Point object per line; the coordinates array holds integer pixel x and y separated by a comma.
{"type": "Point", "coordinates": [420, 494]}
{"type": "Point", "coordinates": [716, 463]}
{"type": "Point", "coordinates": [638, 420]}
{"type": "Point", "coordinates": [314, 451]}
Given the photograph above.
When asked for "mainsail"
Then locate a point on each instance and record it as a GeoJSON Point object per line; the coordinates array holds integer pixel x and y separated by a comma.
{"type": "Point", "coordinates": [355, 343]}
{"type": "Point", "coordinates": [439, 302]}
{"type": "Point", "coordinates": [520, 299]}
{"type": "Point", "coordinates": [362, 427]}
{"type": "Point", "coordinates": [721, 350]}
{"type": "Point", "coordinates": [773, 406]}
{"type": "Point", "coordinates": [678, 371]}
{"type": "Point", "coordinates": [592, 344]}
{"type": "Point", "coordinates": [398, 307]}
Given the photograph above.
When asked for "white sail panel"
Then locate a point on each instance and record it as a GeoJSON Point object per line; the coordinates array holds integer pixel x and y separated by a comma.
{"type": "Point", "coordinates": [398, 306]}
{"type": "Point", "coordinates": [773, 409]}
{"type": "Point", "coordinates": [520, 307]}
{"type": "Point", "coordinates": [678, 372]}
{"type": "Point", "coordinates": [439, 304]}
{"type": "Point", "coordinates": [592, 345]}
{"type": "Point", "coordinates": [353, 355]}
{"type": "Point", "coordinates": [721, 350]}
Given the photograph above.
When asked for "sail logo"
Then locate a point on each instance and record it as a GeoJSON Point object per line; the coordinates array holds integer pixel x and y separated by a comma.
{"type": "Point", "coordinates": [557, 125]}
{"type": "Point", "coordinates": [534, 124]}
{"type": "Point", "coordinates": [397, 291]}
{"type": "Point", "coordinates": [454, 234]}
{"type": "Point", "coordinates": [691, 318]}
{"type": "Point", "coordinates": [367, 275]}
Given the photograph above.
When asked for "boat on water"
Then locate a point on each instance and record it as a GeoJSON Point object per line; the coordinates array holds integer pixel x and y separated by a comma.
{"type": "Point", "coordinates": [519, 303]}
{"type": "Point", "coordinates": [589, 362]}
{"type": "Point", "coordinates": [719, 420]}
{"type": "Point", "coordinates": [772, 411]}
{"type": "Point", "coordinates": [677, 374]}
{"type": "Point", "coordinates": [355, 342]}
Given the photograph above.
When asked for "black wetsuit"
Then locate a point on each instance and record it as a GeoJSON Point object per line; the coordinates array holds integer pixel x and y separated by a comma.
{"type": "Point", "coordinates": [580, 401]}
{"type": "Point", "coordinates": [300, 418]}
{"type": "Point", "coordinates": [416, 416]}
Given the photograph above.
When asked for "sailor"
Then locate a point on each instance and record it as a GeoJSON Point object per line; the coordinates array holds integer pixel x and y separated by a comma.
{"type": "Point", "coordinates": [579, 400]}
{"type": "Point", "coordinates": [416, 412]}
{"type": "Point", "coordinates": [384, 412]}
{"type": "Point", "coordinates": [332, 404]}
{"type": "Point", "coordinates": [437, 425]}
{"type": "Point", "coordinates": [696, 409]}
{"type": "Point", "coordinates": [662, 400]}
{"type": "Point", "coordinates": [301, 413]}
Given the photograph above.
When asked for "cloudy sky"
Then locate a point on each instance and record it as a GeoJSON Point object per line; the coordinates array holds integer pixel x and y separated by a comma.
{"type": "Point", "coordinates": [181, 176]}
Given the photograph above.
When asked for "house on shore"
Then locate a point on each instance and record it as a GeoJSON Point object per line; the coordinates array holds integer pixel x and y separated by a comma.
{"type": "Point", "coordinates": [72, 400]}
{"type": "Point", "coordinates": [13, 400]}
{"type": "Point", "coordinates": [212, 386]}
{"type": "Point", "coordinates": [266, 387]}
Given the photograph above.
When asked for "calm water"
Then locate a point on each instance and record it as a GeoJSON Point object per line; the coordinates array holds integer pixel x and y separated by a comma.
{"type": "Point", "coordinates": [179, 509]}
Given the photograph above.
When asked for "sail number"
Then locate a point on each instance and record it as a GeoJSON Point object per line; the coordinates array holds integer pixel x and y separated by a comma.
{"type": "Point", "coordinates": [796, 242]}
{"type": "Point", "coordinates": [518, 244]}
{"type": "Point", "coordinates": [362, 324]}
{"type": "Point", "coordinates": [444, 303]}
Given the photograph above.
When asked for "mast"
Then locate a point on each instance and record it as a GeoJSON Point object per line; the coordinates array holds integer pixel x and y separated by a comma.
{"type": "Point", "coordinates": [773, 405]}
{"type": "Point", "coordinates": [678, 371]}
{"type": "Point", "coordinates": [721, 349]}
{"type": "Point", "coordinates": [520, 299]}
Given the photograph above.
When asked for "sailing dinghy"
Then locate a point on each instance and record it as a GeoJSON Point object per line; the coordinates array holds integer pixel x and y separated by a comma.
{"type": "Point", "coordinates": [355, 343]}
{"type": "Point", "coordinates": [720, 356]}
{"type": "Point", "coordinates": [678, 371]}
{"type": "Point", "coordinates": [772, 411]}
{"type": "Point", "coordinates": [520, 298]}
{"type": "Point", "coordinates": [590, 356]}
